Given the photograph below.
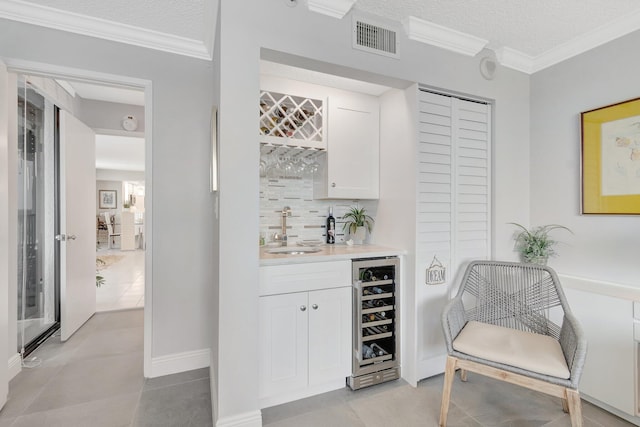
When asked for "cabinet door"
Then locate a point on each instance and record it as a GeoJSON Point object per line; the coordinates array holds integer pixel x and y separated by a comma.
{"type": "Point", "coordinates": [283, 343]}
{"type": "Point", "coordinates": [353, 148]}
{"type": "Point", "coordinates": [607, 322]}
{"type": "Point", "coordinates": [329, 335]}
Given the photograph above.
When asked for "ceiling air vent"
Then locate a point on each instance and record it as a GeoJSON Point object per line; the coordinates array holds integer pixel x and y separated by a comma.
{"type": "Point", "coordinates": [374, 38]}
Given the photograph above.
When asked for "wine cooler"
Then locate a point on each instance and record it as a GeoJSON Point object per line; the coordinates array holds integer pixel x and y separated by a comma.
{"type": "Point", "coordinates": [375, 326]}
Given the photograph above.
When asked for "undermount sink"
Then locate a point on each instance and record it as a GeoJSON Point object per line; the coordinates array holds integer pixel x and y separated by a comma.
{"type": "Point", "coordinates": [293, 250]}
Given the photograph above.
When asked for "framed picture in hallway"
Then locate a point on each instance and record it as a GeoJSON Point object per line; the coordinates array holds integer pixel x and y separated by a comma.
{"type": "Point", "coordinates": [108, 199]}
{"type": "Point", "coordinates": [611, 159]}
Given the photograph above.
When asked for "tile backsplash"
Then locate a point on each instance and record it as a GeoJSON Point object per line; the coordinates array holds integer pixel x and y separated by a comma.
{"type": "Point", "coordinates": [308, 216]}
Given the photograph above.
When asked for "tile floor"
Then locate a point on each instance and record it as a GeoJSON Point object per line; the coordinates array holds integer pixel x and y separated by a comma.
{"type": "Point", "coordinates": [124, 281]}
{"type": "Point", "coordinates": [481, 402]}
{"type": "Point", "coordinates": [96, 379]}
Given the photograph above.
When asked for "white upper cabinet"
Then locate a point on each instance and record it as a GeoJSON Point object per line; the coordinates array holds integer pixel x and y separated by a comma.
{"type": "Point", "coordinates": [352, 169]}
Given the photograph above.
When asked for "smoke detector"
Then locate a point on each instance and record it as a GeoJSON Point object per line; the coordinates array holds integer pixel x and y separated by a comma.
{"type": "Point", "coordinates": [129, 123]}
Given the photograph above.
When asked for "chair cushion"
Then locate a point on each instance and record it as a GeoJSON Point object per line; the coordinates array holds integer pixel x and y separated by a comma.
{"type": "Point", "coordinates": [525, 350]}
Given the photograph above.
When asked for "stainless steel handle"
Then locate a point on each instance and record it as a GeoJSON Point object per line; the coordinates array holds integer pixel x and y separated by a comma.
{"type": "Point", "coordinates": [65, 237]}
{"type": "Point", "coordinates": [314, 306]}
{"type": "Point", "coordinates": [303, 308]}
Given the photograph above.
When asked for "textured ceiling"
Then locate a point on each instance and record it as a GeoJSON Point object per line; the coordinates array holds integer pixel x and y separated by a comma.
{"type": "Point", "coordinates": [529, 26]}
{"type": "Point", "coordinates": [536, 33]}
{"type": "Point", "coordinates": [183, 18]}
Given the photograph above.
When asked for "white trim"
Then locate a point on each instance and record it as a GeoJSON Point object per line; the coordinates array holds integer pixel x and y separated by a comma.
{"type": "Point", "coordinates": [615, 411]}
{"type": "Point", "coordinates": [436, 35]}
{"type": "Point", "coordinates": [616, 290]}
{"type": "Point", "coordinates": [55, 71]}
{"type": "Point", "coordinates": [597, 37]}
{"type": "Point", "coordinates": [179, 362]}
{"type": "Point", "coordinates": [247, 419]}
{"type": "Point", "coordinates": [148, 237]}
{"type": "Point", "coordinates": [334, 8]}
{"type": "Point", "coordinates": [31, 13]}
{"type": "Point", "coordinates": [15, 365]}
{"type": "Point", "coordinates": [280, 398]}
{"type": "Point", "coordinates": [432, 366]}
{"type": "Point", "coordinates": [118, 132]}
{"type": "Point", "coordinates": [515, 59]}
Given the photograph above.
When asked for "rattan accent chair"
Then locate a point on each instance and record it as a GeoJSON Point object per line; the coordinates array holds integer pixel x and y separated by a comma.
{"type": "Point", "coordinates": [501, 325]}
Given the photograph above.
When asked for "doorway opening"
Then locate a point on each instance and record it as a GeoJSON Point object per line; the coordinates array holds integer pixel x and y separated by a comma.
{"type": "Point", "coordinates": [40, 313]}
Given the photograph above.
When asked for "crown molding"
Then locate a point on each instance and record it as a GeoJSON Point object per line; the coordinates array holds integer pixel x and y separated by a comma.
{"type": "Point", "coordinates": [334, 8]}
{"type": "Point", "coordinates": [515, 59]}
{"type": "Point", "coordinates": [436, 35]}
{"type": "Point", "coordinates": [30, 13]}
{"type": "Point", "coordinates": [594, 38]}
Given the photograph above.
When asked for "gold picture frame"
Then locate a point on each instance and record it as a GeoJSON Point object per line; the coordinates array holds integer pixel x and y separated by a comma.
{"type": "Point", "coordinates": [611, 159]}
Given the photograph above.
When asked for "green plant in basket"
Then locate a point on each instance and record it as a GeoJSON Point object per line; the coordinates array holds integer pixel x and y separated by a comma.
{"type": "Point", "coordinates": [535, 245]}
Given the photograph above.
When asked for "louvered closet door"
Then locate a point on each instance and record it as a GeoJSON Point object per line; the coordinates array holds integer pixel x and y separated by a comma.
{"type": "Point", "coordinates": [453, 209]}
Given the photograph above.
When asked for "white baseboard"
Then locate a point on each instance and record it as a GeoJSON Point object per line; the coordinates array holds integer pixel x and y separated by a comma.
{"type": "Point", "coordinates": [248, 419]}
{"type": "Point", "coordinates": [15, 365]}
{"type": "Point", "coordinates": [179, 362]}
{"type": "Point", "coordinates": [432, 366]}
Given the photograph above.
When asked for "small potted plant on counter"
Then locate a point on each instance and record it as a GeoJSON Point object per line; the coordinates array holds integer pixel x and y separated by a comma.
{"type": "Point", "coordinates": [358, 222]}
{"type": "Point", "coordinates": [535, 245]}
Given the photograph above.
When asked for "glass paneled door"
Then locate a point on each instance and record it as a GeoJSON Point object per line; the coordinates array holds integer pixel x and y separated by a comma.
{"type": "Point", "coordinates": [38, 283]}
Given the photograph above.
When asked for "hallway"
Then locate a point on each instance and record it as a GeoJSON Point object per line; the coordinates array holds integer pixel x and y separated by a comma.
{"type": "Point", "coordinates": [96, 379]}
{"type": "Point", "coordinates": [123, 286]}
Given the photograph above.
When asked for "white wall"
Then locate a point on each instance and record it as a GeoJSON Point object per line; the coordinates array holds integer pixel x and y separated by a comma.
{"type": "Point", "coordinates": [327, 42]}
{"type": "Point", "coordinates": [182, 248]}
{"type": "Point", "coordinates": [603, 248]}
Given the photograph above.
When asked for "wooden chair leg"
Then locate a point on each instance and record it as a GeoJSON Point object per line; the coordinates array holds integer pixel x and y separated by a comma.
{"type": "Point", "coordinates": [463, 375]}
{"type": "Point", "coordinates": [565, 406]}
{"type": "Point", "coordinates": [575, 407]}
{"type": "Point", "coordinates": [449, 374]}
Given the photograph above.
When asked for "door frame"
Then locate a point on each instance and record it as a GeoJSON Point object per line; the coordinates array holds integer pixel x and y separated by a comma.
{"type": "Point", "coordinates": [56, 71]}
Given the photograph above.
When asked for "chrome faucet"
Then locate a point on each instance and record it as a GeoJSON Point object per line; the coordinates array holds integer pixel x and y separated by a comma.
{"type": "Point", "coordinates": [286, 211]}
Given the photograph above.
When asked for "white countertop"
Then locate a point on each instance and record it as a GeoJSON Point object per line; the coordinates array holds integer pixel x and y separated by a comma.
{"type": "Point", "coordinates": [329, 253]}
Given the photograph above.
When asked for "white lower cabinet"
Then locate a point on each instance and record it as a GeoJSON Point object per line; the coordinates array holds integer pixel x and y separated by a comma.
{"type": "Point", "coordinates": [609, 374]}
{"type": "Point", "coordinates": [305, 343]}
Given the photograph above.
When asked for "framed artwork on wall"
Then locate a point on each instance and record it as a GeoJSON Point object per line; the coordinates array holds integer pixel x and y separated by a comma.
{"type": "Point", "coordinates": [611, 159]}
{"type": "Point", "coordinates": [108, 199]}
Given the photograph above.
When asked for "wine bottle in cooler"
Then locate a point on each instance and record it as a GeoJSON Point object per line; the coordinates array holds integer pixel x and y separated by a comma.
{"type": "Point", "coordinates": [331, 227]}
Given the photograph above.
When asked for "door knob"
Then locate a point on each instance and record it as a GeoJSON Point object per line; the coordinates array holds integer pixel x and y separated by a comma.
{"type": "Point", "coordinates": [314, 306]}
{"type": "Point", "coordinates": [303, 308]}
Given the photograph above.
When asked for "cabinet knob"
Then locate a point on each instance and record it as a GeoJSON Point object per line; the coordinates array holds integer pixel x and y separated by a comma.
{"type": "Point", "coordinates": [303, 308]}
{"type": "Point", "coordinates": [333, 184]}
{"type": "Point", "coordinates": [314, 306]}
